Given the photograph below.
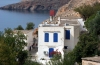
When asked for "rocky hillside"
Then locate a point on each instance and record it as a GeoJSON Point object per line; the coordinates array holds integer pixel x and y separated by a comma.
{"type": "Point", "coordinates": [68, 9]}
{"type": "Point", "coordinates": [36, 5]}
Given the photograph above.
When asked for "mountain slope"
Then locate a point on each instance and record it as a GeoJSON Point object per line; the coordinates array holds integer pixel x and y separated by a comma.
{"type": "Point", "coordinates": [36, 5]}
{"type": "Point", "coordinates": [68, 9]}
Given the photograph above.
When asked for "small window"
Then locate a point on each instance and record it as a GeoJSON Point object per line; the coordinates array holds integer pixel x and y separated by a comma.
{"type": "Point", "coordinates": [46, 37]}
{"type": "Point", "coordinates": [65, 47]}
{"type": "Point", "coordinates": [67, 34]}
{"type": "Point", "coordinates": [55, 37]}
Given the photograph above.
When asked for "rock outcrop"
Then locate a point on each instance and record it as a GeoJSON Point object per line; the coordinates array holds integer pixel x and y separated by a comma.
{"type": "Point", "coordinates": [68, 9]}
{"type": "Point", "coordinates": [32, 5]}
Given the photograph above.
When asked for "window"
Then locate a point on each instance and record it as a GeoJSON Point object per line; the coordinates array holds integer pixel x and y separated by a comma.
{"type": "Point", "coordinates": [65, 47]}
{"type": "Point", "coordinates": [67, 34]}
{"type": "Point", "coordinates": [55, 37]}
{"type": "Point", "coordinates": [46, 37]}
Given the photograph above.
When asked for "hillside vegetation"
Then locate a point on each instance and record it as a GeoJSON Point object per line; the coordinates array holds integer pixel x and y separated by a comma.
{"type": "Point", "coordinates": [68, 9]}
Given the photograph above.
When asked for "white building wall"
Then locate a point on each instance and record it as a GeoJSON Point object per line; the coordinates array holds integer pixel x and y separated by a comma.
{"type": "Point", "coordinates": [41, 54]}
{"type": "Point", "coordinates": [76, 35]}
{"type": "Point", "coordinates": [29, 39]}
{"type": "Point", "coordinates": [70, 42]}
{"type": "Point", "coordinates": [82, 26]}
{"type": "Point", "coordinates": [50, 30]}
{"type": "Point", "coordinates": [44, 46]}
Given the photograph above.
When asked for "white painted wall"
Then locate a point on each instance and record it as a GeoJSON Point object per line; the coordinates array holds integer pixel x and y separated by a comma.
{"type": "Point", "coordinates": [41, 54]}
{"type": "Point", "coordinates": [81, 21]}
{"type": "Point", "coordinates": [77, 33]}
{"type": "Point", "coordinates": [29, 39]}
{"type": "Point", "coordinates": [44, 46]}
{"type": "Point", "coordinates": [50, 30]}
{"type": "Point", "coordinates": [74, 34]}
{"type": "Point", "coordinates": [70, 42]}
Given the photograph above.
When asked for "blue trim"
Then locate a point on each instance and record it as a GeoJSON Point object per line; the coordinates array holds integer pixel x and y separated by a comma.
{"type": "Point", "coordinates": [50, 52]}
{"type": "Point", "coordinates": [46, 37]}
{"type": "Point", "coordinates": [55, 37]}
{"type": "Point", "coordinates": [67, 35]}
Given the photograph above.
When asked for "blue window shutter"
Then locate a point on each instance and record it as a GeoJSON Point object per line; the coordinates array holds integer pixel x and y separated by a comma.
{"type": "Point", "coordinates": [51, 50]}
{"type": "Point", "coordinates": [67, 35]}
{"type": "Point", "coordinates": [55, 37]}
{"type": "Point", "coordinates": [46, 37]}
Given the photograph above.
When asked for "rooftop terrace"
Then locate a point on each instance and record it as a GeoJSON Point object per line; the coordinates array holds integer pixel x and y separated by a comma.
{"type": "Point", "coordinates": [60, 21]}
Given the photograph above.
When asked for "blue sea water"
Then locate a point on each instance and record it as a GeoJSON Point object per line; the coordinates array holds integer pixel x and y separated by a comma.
{"type": "Point", "coordinates": [11, 19]}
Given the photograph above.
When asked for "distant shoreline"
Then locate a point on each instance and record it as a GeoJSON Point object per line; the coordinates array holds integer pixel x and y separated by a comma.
{"type": "Point", "coordinates": [35, 5]}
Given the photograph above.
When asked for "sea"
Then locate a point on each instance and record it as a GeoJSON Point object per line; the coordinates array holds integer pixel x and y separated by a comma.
{"type": "Point", "coordinates": [11, 19]}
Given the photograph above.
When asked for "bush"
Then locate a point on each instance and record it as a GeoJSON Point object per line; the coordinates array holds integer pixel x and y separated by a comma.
{"type": "Point", "coordinates": [29, 62]}
{"type": "Point", "coordinates": [87, 10]}
{"type": "Point", "coordinates": [68, 59]}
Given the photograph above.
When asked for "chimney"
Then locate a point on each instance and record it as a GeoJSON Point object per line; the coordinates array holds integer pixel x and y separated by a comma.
{"type": "Point", "coordinates": [52, 13]}
{"type": "Point", "coordinates": [59, 20]}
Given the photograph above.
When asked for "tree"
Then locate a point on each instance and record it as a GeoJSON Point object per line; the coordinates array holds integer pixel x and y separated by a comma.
{"type": "Point", "coordinates": [93, 25]}
{"type": "Point", "coordinates": [7, 57]}
{"type": "Point", "coordinates": [22, 55]}
{"type": "Point", "coordinates": [19, 28]}
{"type": "Point", "coordinates": [16, 44]}
{"type": "Point", "coordinates": [86, 47]}
{"type": "Point", "coordinates": [1, 36]}
{"type": "Point", "coordinates": [29, 62]}
{"type": "Point", "coordinates": [30, 26]}
{"type": "Point", "coordinates": [68, 59]}
{"type": "Point", "coordinates": [8, 31]}
{"type": "Point", "coordinates": [87, 10]}
{"type": "Point", "coordinates": [88, 44]}
{"type": "Point", "coordinates": [88, 21]}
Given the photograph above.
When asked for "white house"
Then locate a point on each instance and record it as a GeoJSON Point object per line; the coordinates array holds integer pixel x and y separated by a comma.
{"type": "Point", "coordinates": [61, 34]}
{"type": "Point", "coordinates": [29, 37]}
{"type": "Point", "coordinates": [31, 40]}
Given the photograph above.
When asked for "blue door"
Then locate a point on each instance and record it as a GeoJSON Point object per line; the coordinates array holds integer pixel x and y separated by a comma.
{"type": "Point", "coordinates": [50, 52]}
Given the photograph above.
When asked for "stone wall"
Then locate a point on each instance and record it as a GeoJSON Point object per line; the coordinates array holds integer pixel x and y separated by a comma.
{"type": "Point", "coordinates": [85, 62]}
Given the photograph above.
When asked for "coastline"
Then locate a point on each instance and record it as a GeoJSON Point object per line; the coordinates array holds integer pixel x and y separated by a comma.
{"type": "Point", "coordinates": [36, 5]}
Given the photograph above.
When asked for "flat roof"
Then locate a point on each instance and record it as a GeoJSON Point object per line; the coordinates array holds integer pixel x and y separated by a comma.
{"type": "Point", "coordinates": [63, 22]}
{"type": "Point", "coordinates": [23, 31]}
{"type": "Point", "coordinates": [69, 21]}
{"type": "Point", "coordinates": [70, 17]}
{"type": "Point", "coordinates": [93, 59]}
